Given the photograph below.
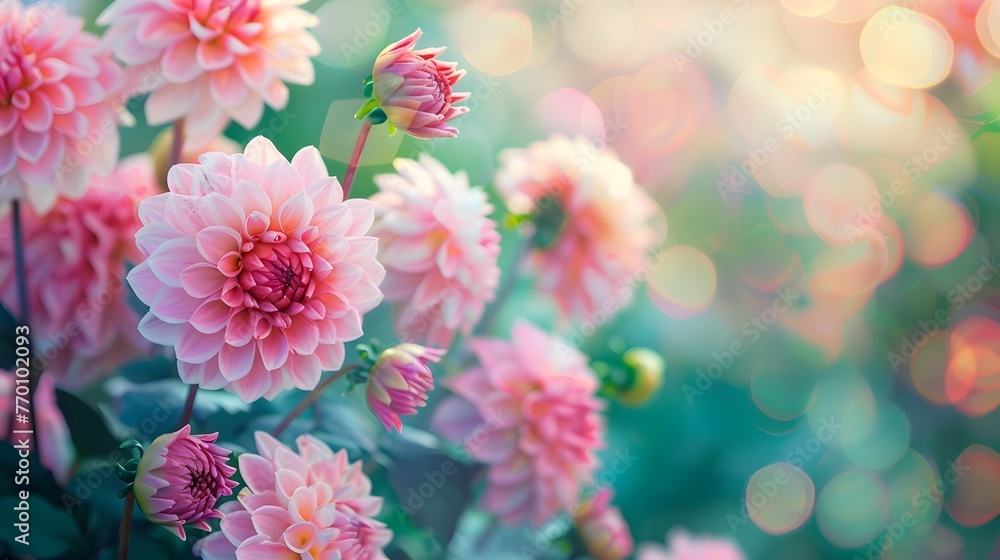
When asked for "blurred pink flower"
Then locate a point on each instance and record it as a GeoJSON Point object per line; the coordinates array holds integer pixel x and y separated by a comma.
{"type": "Point", "coordinates": [399, 382]}
{"type": "Point", "coordinates": [83, 326]}
{"type": "Point", "coordinates": [257, 272]}
{"type": "Point", "coordinates": [56, 123]}
{"type": "Point", "coordinates": [413, 88]}
{"type": "Point", "coordinates": [180, 478]}
{"type": "Point", "coordinates": [439, 248]}
{"type": "Point", "coordinates": [601, 220]}
{"type": "Point", "coordinates": [603, 529]}
{"type": "Point", "coordinates": [685, 547]}
{"type": "Point", "coordinates": [211, 60]}
{"type": "Point", "coordinates": [534, 397]}
{"type": "Point", "coordinates": [310, 504]}
{"type": "Point", "coordinates": [51, 437]}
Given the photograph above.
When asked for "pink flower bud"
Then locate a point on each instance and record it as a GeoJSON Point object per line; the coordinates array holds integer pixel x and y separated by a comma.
{"type": "Point", "coordinates": [399, 382]}
{"type": "Point", "coordinates": [414, 89]}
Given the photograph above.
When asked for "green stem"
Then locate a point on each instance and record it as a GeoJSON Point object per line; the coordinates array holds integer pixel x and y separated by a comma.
{"type": "Point", "coordinates": [126, 527]}
{"type": "Point", "coordinates": [352, 165]}
{"type": "Point", "coordinates": [312, 397]}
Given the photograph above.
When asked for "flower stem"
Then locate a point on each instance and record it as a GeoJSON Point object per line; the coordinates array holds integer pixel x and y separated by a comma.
{"type": "Point", "coordinates": [352, 166]}
{"type": "Point", "coordinates": [177, 142]}
{"type": "Point", "coordinates": [126, 527]}
{"type": "Point", "coordinates": [312, 397]}
{"type": "Point", "coordinates": [507, 288]}
{"type": "Point", "coordinates": [188, 406]}
{"type": "Point", "coordinates": [21, 269]}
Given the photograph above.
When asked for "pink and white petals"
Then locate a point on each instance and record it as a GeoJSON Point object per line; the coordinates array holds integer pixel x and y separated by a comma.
{"type": "Point", "coordinates": [535, 398]}
{"type": "Point", "coordinates": [58, 123]}
{"type": "Point", "coordinates": [212, 61]}
{"type": "Point", "coordinates": [310, 504]}
{"type": "Point", "coordinates": [414, 89]}
{"type": "Point", "coordinates": [439, 247]}
{"type": "Point", "coordinates": [257, 270]}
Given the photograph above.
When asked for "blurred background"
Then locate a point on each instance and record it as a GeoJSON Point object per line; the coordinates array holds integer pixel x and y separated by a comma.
{"type": "Point", "coordinates": [828, 304]}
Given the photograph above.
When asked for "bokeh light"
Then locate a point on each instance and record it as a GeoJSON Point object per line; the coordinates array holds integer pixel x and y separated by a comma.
{"type": "Point", "coordinates": [780, 498]}
{"type": "Point", "coordinates": [685, 288]}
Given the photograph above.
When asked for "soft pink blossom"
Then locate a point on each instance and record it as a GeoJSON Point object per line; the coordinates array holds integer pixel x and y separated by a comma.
{"type": "Point", "coordinates": [607, 220]}
{"type": "Point", "coordinates": [439, 248]}
{"type": "Point", "coordinates": [257, 270]}
{"type": "Point", "coordinates": [180, 478]}
{"type": "Point", "coordinates": [399, 382]}
{"type": "Point", "coordinates": [51, 436]}
{"type": "Point", "coordinates": [57, 124]}
{"type": "Point", "coordinates": [685, 547]}
{"type": "Point", "coordinates": [530, 412]}
{"type": "Point", "coordinates": [414, 89]}
{"type": "Point", "coordinates": [210, 61]}
{"type": "Point", "coordinates": [311, 504]}
{"type": "Point", "coordinates": [83, 326]}
{"type": "Point", "coordinates": [603, 528]}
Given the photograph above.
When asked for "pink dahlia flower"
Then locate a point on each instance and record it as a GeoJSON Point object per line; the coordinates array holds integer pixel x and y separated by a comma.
{"type": "Point", "coordinates": [51, 437]}
{"type": "Point", "coordinates": [180, 478]}
{"type": "Point", "coordinates": [603, 529]}
{"type": "Point", "coordinates": [597, 222]}
{"type": "Point", "coordinates": [83, 326]}
{"type": "Point", "coordinates": [439, 248]}
{"type": "Point", "coordinates": [211, 60]}
{"type": "Point", "coordinates": [414, 89]}
{"type": "Point", "coordinates": [685, 547]}
{"type": "Point", "coordinates": [310, 504]}
{"type": "Point", "coordinates": [529, 411]}
{"type": "Point", "coordinates": [399, 382]}
{"type": "Point", "coordinates": [257, 270]}
{"type": "Point", "coordinates": [56, 122]}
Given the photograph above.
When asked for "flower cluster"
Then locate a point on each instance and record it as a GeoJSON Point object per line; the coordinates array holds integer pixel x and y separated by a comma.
{"type": "Point", "coordinates": [314, 503]}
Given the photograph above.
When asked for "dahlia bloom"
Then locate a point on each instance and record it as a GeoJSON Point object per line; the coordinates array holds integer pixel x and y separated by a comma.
{"type": "Point", "coordinates": [603, 529]}
{"type": "Point", "coordinates": [163, 145]}
{"type": "Point", "coordinates": [413, 89]}
{"type": "Point", "coordinates": [439, 248]}
{"type": "Point", "coordinates": [310, 504]}
{"type": "Point", "coordinates": [180, 478]}
{"type": "Point", "coordinates": [51, 437]}
{"type": "Point", "coordinates": [399, 382]}
{"type": "Point", "coordinates": [210, 61]}
{"type": "Point", "coordinates": [600, 219]}
{"type": "Point", "coordinates": [56, 124]}
{"type": "Point", "coordinates": [534, 397]}
{"type": "Point", "coordinates": [82, 324]}
{"type": "Point", "coordinates": [685, 547]}
{"type": "Point", "coordinates": [257, 270]}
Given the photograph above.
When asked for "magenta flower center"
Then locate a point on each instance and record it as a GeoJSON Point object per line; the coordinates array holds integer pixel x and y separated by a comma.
{"type": "Point", "coordinates": [200, 477]}
{"type": "Point", "coordinates": [274, 278]}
